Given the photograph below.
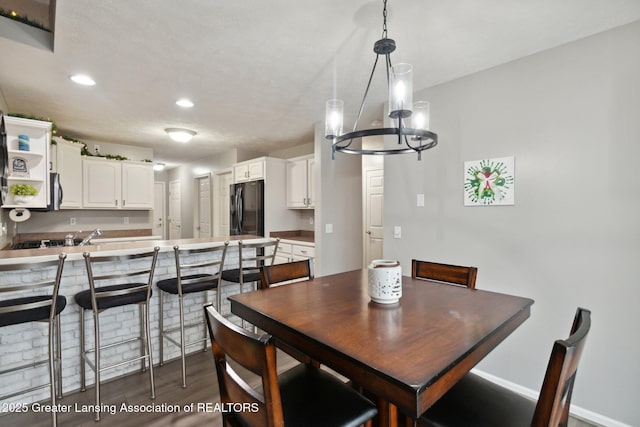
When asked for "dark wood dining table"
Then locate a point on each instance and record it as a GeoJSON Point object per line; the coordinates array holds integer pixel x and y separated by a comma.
{"type": "Point", "coordinates": [407, 354]}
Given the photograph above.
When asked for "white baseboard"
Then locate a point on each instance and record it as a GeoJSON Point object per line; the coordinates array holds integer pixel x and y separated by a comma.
{"type": "Point", "coordinates": [576, 411]}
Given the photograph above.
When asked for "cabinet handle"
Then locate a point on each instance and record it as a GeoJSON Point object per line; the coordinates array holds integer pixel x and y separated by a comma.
{"type": "Point", "coordinates": [124, 202]}
{"type": "Point", "coordinates": [116, 203]}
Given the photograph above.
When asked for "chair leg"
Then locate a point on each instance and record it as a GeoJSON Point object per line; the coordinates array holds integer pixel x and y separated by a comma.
{"type": "Point", "coordinates": [161, 326]}
{"type": "Point", "coordinates": [149, 350]}
{"type": "Point", "coordinates": [58, 358]}
{"type": "Point", "coordinates": [96, 341]}
{"type": "Point", "coordinates": [143, 344]}
{"type": "Point", "coordinates": [182, 349]}
{"type": "Point", "coordinates": [52, 370]}
{"type": "Point", "coordinates": [83, 382]}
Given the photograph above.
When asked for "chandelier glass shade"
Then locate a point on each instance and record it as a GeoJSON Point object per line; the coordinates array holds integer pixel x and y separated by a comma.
{"type": "Point", "coordinates": [402, 110]}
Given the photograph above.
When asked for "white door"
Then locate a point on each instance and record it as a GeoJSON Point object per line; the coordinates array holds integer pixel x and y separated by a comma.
{"type": "Point", "coordinates": [175, 220]}
{"type": "Point", "coordinates": [204, 207]}
{"type": "Point", "coordinates": [374, 215]}
{"type": "Point", "coordinates": [159, 210]}
{"type": "Point", "coordinates": [223, 203]}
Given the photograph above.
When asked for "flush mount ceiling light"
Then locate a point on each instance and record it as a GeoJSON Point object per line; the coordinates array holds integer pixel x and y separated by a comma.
{"type": "Point", "coordinates": [184, 103]}
{"type": "Point", "coordinates": [416, 138]}
{"type": "Point", "coordinates": [180, 135]}
{"type": "Point", "coordinates": [159, 167]}
{"type": "Point", "coordinates": [82, 79]}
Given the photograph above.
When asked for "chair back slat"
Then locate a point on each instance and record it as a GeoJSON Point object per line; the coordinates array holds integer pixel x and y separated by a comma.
{"type": "Point", "coordinates": [553, 404]}
{"type": "Point", "coordinates": [279, 273]}
{"type": "Point", "coordinates": [93, 262]}
{"type": "Point", "coordinates": [21, 289]}
{"type": "Point", "coordinates": [253, 352]}
{"type": "Point", "coordinates": [212, 256]}
{"type": "Point", "coordinates": [453, 274]}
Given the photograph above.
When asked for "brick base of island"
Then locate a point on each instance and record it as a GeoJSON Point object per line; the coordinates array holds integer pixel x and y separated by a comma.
{"type": "Point", "coordinates": [24, 342]}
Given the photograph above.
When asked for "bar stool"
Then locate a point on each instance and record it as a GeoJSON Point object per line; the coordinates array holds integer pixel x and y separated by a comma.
{"type": "Point", "coordinates": [28, 304]}
{"type": "Point", "coordinates": [191, 278]}
{"type": "Point", "coordinates": [100, 269]}
{"type": "Point", "coordinates": [251, 258]}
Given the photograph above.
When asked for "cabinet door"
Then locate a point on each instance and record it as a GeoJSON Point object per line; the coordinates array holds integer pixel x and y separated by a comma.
{"type": "Point", "coordinates": [311, 182]}
{"type": "Point", "coordinates": [137, 186]}
{"type": "Point", "coordinates": [101, 184]}
{"type": "Point", "coordinates": [240, 173]}
{"type": "Point", "coordinates": [256, 170]}
{"type": "Point", "coordinates": [297, 184]}
{"type": "Point", "coordinates": [69, 166]}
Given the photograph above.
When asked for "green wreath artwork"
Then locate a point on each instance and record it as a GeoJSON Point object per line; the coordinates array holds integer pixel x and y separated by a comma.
{"type": "Point", "coordinates": [489, 182]}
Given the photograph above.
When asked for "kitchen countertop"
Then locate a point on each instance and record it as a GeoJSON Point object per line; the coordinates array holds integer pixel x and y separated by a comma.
{"type": "Point", "coordinates": [297, 235]}
{"type": "Point", "coordinates": [75, 252]}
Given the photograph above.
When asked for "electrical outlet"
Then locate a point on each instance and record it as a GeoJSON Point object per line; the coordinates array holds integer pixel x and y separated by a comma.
{"type": "Point", "coordinates": [126, 220]}
{"type": "Point", "coordinates": [72, 221]}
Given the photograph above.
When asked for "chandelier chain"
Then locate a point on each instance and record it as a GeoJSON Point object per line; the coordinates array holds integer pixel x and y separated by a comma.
{"type": "Point", "coordinates": [384, 20]}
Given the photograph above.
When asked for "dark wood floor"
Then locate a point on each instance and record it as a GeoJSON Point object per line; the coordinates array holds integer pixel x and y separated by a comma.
{"type": "Point", "coordinates": [202, 389]}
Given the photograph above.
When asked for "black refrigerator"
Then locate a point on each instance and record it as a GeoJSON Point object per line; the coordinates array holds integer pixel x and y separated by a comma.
{"type": "Point", "coordinates": [247, 208]}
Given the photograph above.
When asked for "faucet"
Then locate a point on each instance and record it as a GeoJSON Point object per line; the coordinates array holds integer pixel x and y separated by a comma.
{"type": "Point", "coordinates": [91, 235]}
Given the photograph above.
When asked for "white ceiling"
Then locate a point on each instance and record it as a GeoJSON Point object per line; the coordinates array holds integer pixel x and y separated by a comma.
{"type": "Point", "coordinates": [260, 71]}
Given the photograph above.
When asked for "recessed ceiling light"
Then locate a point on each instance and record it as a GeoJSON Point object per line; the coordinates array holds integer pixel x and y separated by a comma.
{"type": "Point", "coordinates": [180, 135]}
{"type": "Point", "coordinates": [184, 102]}
{"type": "Point", "coordinates": [82, 79]}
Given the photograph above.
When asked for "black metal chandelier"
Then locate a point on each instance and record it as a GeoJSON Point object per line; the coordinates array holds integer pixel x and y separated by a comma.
{"type": "Point", "coordinates": [416, 138]}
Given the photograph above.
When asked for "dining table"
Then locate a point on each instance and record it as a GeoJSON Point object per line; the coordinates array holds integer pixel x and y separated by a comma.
{"type": "Point", "coordinates": [406, 354]}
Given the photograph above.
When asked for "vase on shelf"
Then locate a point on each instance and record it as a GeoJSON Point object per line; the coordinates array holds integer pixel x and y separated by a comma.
{"type": "Point", "coordinates": [22, 200]}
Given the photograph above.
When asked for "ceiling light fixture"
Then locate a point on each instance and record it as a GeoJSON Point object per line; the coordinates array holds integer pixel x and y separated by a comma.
{"type": "Point", "coordinates": [180, 135]}
{"type": "Point", "coordinates": [82, 79]}
{"type": "Point", "coordinates": [184, 103]}
{"type": "Point", "coordinates": [400, 86]}
{"type": "Point", "coordinates": [159, 167]}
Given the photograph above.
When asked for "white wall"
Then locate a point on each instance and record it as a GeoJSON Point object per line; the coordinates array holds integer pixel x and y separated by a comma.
{"type": "Point", "coordinates": [339, 203]}
{"type": "Point", "coordinates": [571, 118]}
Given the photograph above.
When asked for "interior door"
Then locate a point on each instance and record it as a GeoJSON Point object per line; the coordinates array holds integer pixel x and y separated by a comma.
{"type": "Point", "coordinates": [159, 210]}
{"type": "Point", "coordinates": [175, 220]}
{"type": "Point", "coordinates": [374, 215]}
{"type": "Point", "coordinates": [204, 206]}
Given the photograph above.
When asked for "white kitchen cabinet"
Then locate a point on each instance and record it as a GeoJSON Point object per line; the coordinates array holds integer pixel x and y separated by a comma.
{"type": "Point", "coordinates": [293, 250]}
{"type": "Point", "coordinates": [248, 171]}
{"type": "Point", "coordinates": [137, 185]}
{"type": "Point", "coordinates": [113, 184]}
{"type": "Point", "coordinates": [300, 183]}
{"type": "Point", "coordinates": [68, 164]}
{"type": "Point", "coordinates": [30, 166]}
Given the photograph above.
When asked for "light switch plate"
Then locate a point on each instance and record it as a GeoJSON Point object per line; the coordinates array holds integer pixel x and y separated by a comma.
{"type": "Point", "coordinates": [328, 228]}
{"type": "Point", "coordinates": [420, 200]}
{"type": "Point", "coordinates": [397, 232]}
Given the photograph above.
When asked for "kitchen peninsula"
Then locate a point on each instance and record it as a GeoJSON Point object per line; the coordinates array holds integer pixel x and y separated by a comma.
{"type": "Point", "coordinates": [18, 342]}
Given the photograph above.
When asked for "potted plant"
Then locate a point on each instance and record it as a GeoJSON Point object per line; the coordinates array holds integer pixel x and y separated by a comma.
{"type": "Point", "coordinates": [23, 193]}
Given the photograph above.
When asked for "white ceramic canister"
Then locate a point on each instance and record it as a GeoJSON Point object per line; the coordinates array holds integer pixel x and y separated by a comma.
{"type": "Point", "coordinates": [385, 281]}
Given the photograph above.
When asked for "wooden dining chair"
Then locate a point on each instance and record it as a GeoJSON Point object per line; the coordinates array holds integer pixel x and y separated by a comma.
{"type": "Point", "coordinates": [302, 396]}
{"type": "Point", "coordinates": [452, 274]}
{"type": "Point", "coordinates": [281, 273]}
{"type": "Point", "coordinates": [475, 401]}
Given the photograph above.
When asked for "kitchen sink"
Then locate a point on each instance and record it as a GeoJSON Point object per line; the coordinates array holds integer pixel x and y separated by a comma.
{"type": "Point", "coordinates": [35, 244]}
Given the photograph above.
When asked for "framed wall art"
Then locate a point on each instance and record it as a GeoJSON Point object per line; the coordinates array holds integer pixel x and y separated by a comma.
{"type": "Point", "coordinates": [489, 182]}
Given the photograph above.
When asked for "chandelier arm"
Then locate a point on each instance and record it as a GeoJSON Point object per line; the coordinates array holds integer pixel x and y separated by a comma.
{"type": "Point", "coordinates": [366, 92]}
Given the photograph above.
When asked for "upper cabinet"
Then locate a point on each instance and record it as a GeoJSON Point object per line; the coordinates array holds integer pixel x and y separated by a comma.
{"type": "Point", "coordinates": [300, 183]}
{"type": "Point", "coordinates": [68, 163]}
{"type": "Point", "coordinates": [113, 184]}
{"type": "Point", "coordinates": [28, 162]}
{"type": "Point", "coordinates": [249, 171]}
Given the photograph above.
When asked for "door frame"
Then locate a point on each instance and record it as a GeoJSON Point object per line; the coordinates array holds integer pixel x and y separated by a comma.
{"type": "Point", "coordinates": [196, 197]}
{"type": "Point", "coordinates": [163, 204]}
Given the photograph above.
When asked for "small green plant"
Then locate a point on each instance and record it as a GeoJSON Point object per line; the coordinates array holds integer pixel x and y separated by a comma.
{"type": "Point", "coordinates": [23, 190]}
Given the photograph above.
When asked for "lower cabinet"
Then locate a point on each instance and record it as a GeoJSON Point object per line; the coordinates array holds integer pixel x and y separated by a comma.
{"type": "Point", "coordinates": [289, 251]}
